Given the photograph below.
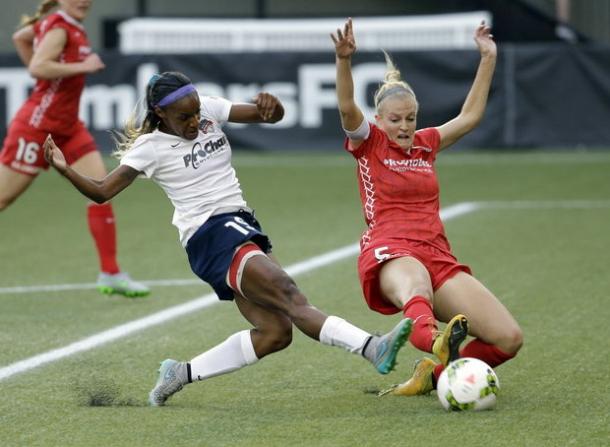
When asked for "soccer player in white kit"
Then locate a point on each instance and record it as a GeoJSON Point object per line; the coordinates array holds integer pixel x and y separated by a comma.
{"type": "Point", "coordinates": [180, 145]}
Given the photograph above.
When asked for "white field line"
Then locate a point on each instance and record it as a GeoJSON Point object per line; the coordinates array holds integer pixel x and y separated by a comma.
{"type": "Point", "coordinates": [546, 204]}
{"type": "Point", "coordinates": [189, 307]}
{"type": "Point", "coordinates": [208, 300]}
{"type": "Point", "coordinates": [446, 214]}
{"type": "Point", "coordinates": [92, 285]}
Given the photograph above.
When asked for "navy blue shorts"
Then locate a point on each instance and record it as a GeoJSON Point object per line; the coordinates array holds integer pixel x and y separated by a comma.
{"type": "Point", "coordinates": [211, 248]}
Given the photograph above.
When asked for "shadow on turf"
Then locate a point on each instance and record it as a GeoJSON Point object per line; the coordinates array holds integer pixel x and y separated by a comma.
{"type": "Point", "coordinates": [97, 392]}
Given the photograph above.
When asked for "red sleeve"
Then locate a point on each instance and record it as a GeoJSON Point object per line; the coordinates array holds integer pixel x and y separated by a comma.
{"type": "Point", "coordinates": [376, 138]}
{"type": "Point", "coordinates": [429, 138]}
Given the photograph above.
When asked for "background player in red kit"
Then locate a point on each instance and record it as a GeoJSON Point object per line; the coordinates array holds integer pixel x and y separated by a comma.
{"type": "Point", "coordinates": [57, 53]}
{"type": "Point", "coordinates": [406, 264]}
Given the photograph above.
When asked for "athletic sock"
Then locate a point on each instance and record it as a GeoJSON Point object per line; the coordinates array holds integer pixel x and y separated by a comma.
{"type": "Point", "coordinates": [232, 354]}
{"type": "Point", "coordinates": [103, 230]}
{"type": "Point", "coordinates": [419, 310]}
{"type": "Point", "coordinates": [438, 369]}
{"type": "Point", "coordinates": [490, 354]}
{"type": "Point", "coordinates": [477, 349]}
{"type": "Point", "coordinates": [338, 332]}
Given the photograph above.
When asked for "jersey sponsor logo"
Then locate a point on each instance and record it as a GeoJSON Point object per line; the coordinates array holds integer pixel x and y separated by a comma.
{"type": "Point", "coordinates": [200, 153]}
{"type": "Point", "coordinates": [206, 125]}
{"type": "Point", "coordinates": [415, 164]}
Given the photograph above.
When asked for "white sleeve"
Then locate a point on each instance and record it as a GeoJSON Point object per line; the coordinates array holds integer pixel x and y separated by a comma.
{"type": "Point", "coordinates": [216, 108]}
{"type": "Point", "coordinates": [361, 133]}
{"type": "Point", "coordinates": [141, 157]}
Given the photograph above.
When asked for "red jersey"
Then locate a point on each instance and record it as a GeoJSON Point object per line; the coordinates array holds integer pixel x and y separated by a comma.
{"type": "Point", "coordinates": [399, 190]}
{"type": "Point", "coordinates": [54, 103]}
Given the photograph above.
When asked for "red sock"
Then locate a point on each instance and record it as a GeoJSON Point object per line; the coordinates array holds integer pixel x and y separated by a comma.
{"type": "Point", "coordinates": [102, 228]}
{"type": "Point", "coordinates": [419, 310]}
{"type": "Point", "coordinates": [479, 350]}
{"type": "Point", "coordinates": [490, 354]}
{"type": "Point", "coordinates": [438, 369]}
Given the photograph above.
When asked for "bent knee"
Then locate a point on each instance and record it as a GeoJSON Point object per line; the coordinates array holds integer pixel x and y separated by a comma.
{"type": "Point", "coordinates": [511, 340]}
{"type": "Point", "coordinates": [277, 339]}
{"type": "Point", "coordinates": [282, 340]}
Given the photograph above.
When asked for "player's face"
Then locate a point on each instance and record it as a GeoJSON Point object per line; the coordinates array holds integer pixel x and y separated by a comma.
{"type": "Point", "coordinates": [398, 118]}
{"type": "Point", "coordinates": [181, 117]}
{"type": "Point", "coordinates": [76, 8]}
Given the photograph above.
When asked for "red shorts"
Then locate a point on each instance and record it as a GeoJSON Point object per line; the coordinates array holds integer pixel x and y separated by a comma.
{"type": "Point", "coordinates": [441, 266]}
{"type": "Point", "coordinates": [22, 150]}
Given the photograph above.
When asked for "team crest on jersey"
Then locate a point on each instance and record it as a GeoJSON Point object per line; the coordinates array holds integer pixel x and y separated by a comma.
{"type": "Point", "coordinates": [206, 126]}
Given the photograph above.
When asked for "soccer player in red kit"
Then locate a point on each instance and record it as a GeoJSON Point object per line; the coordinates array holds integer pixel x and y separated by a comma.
{"type": "Point", "coordinates": [57, 53]}
{"type": "Point", "coordinates": [406, 264]}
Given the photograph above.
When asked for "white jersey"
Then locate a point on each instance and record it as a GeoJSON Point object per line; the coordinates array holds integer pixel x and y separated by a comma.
{"type": "Point", "coordinates": [196, 175]}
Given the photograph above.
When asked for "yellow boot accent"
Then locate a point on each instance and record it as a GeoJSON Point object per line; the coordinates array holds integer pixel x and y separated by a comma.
{"type": "Point", "coordinates": [420, 382]}
{"type": "Point", "coordinates": [447, 345]}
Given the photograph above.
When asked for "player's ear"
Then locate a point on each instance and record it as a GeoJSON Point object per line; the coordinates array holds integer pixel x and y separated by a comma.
{"type": "Point", "coordinates": [160, 112]}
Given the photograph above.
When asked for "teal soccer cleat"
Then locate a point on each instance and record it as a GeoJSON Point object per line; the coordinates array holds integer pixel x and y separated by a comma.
{"type": "Point", "coordinates": [382, 350]}
{"type": "Point", "coordinates": [173, 375]}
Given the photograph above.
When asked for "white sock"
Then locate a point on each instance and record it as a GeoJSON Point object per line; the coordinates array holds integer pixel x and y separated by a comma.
{"type": "Point", "coordinates": [338, 332]}
{"type": "Point", "coordinates": [234, 353]}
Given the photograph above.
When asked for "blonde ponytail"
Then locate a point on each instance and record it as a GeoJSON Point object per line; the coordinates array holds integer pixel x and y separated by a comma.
{"type": "Point", "coordinates": [42, 10]}
{"type": "Point", "coordinates": [133, 129]}
{"type": "Point", "coordinates": [392, 83]}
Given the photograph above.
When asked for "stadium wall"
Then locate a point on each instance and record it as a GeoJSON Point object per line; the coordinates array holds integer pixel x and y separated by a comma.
{"type": "Point", "coordinates": [546, 95]}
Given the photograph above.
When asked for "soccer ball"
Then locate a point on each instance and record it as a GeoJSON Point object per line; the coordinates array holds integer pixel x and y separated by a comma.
{"type": "Point", "coordinates": [468, 384]}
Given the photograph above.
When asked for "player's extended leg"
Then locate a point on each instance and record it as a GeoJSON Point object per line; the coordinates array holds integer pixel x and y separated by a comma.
{"type": "Point", "coordinates": [103, 230]}
{"type": "Point", "coordinates": [498, 335]}
{"type": "Point", "coordinates": [266, 284]}
{"type": "Point", "coordinates": [272, 332]}
{"type": "Point", "coordinates": [12, 185]}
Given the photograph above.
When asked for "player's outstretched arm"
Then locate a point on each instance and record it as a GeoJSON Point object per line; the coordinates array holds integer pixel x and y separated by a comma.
{"type": "Point", "coordinates": [345, 47]}
{"type": "Point", "coordinates": [265, 108]}
{"type": "Point", "coordinates": [476, 101]}
{"type": "Point", "coordinates": [99, 191]}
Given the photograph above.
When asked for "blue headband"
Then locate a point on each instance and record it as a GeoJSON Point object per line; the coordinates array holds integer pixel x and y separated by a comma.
{"type": "Point", "coordinates": [176, 95]}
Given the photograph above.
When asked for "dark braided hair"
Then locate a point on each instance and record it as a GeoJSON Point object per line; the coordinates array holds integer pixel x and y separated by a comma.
{"type": "Point", "coordinates": [158, 87]}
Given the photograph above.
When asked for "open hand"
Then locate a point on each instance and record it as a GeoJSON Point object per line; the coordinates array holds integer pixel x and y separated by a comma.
{"type": "Point", "coordinates": [345, 44]}
{"type": "Point", "coordinates": [54, 155]}
{"type": "Point", "coordinates": [484, 40]}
